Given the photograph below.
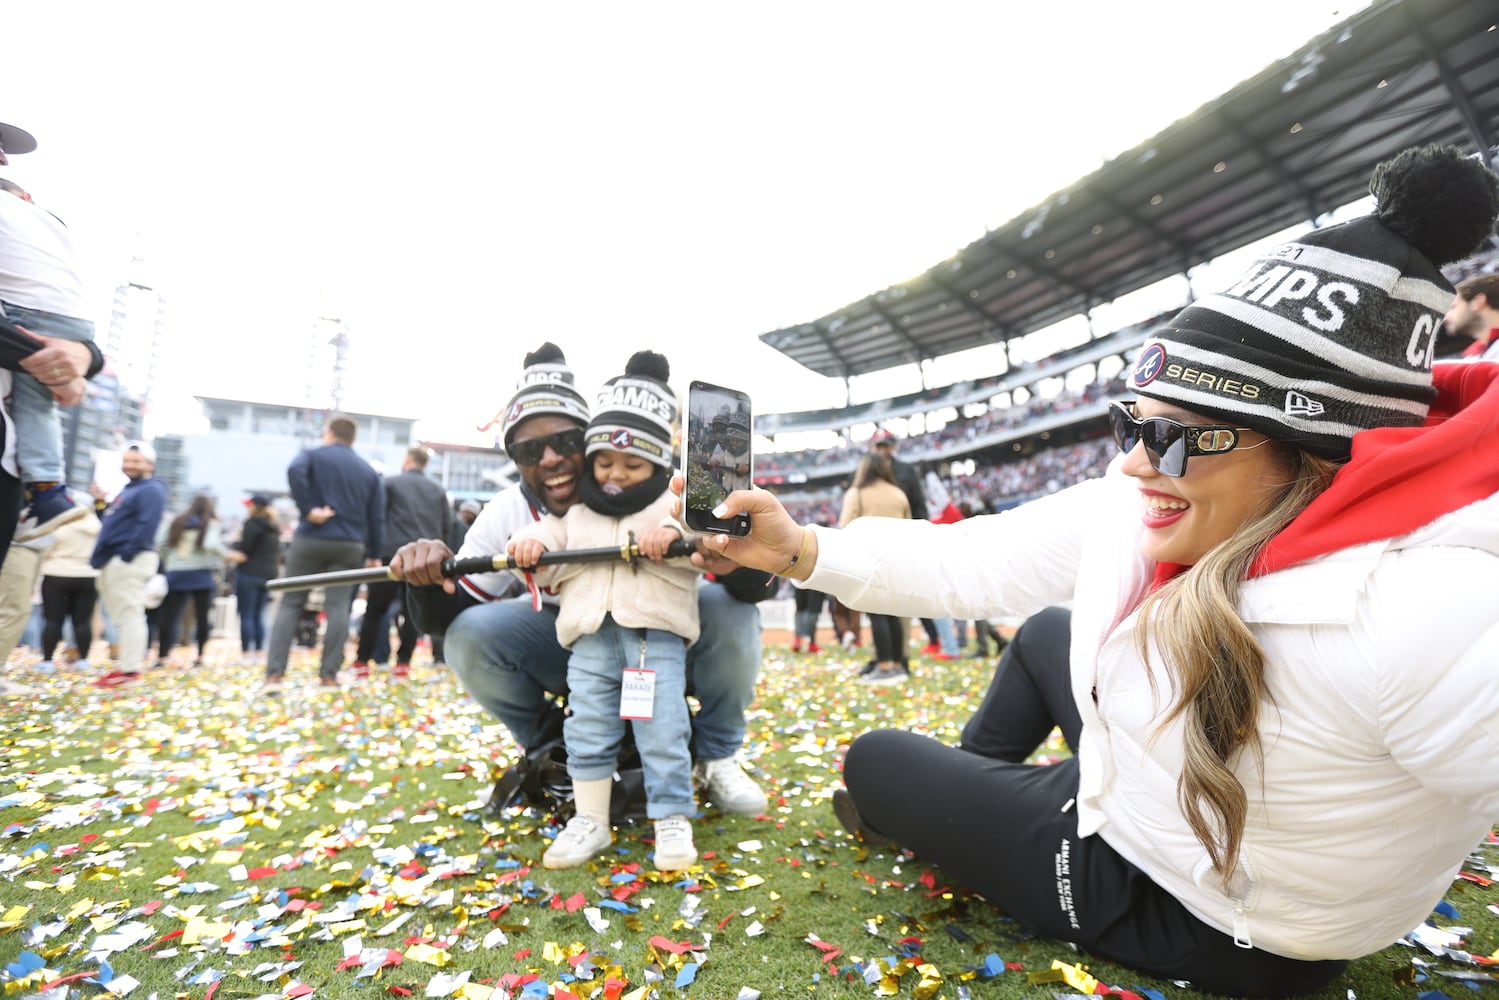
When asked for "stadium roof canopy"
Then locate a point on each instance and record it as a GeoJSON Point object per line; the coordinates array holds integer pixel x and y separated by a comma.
{"type": "Point", "coordinates": [1296, 141]}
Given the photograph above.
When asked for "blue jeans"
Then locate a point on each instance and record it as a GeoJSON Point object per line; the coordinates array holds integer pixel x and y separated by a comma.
{"type": "Point", "coordinates": [38, 426]}
{"type": "Point", "coordinates": [594, 730]}
{"type": "Point", "coordinates": [508, 659]}
{"type": "Point", "coordinates": [251, 599]}
{"type": "Point", "coordinates": [947, 634]}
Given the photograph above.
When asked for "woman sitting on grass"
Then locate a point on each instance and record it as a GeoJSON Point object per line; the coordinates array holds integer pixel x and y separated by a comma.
{"type": "Point", "coordinates": [1282, 709]}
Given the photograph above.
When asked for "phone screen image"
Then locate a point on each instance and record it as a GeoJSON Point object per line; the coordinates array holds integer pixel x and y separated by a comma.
{"type": "Point", "coordinates": [716, 457]}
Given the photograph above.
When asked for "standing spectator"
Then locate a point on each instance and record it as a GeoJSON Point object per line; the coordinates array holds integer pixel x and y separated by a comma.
{"type": "Point", "coordinates": [70, 587]}
{"type": "Point", "coordinates": [468, 511]}
{"type": "Point", "coordinates": [342, 505]}
{"type": "Point", "coordinates": [415, 507]}
{"type": "Point", "coordinates": [194, 558]}
{"type": "Point", "coordinates": [876, 494]}
{"type": "Point", "coordinates": [257, 558]}
{"type": "Point", "coordinates": [909, 480]}
{"type": "Point", "coordinates": [1474, 315]}
{"type": "Point", "coordinates": [125, 556]}
{"type": "Point", "coordinates": [808, 607]}
{"type": "Point", "coordinates": [40, 291]}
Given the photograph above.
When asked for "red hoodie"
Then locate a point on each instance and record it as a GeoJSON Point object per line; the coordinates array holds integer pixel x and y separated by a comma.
{"type": "Point", "coordinates": [1401, 478]}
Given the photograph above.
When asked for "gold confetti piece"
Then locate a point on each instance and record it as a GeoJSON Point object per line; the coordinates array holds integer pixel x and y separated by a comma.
{"type": "Point", "coordinates": [930, 983]}
{"type": "Point", "coordinates": [475, 991]}
{"type": "Point", "coordinates": [749, 882]}
{"type": "Point", "coordinates": [428, 955]}
{"type": "Point", "coordinates": [348, 926]}
{"type": "Point", "coordinates": [225, 857]}
{"type": "Point", "coordinates": [199, 929]}
{"type": "Point", "coordinates": [13, 917]}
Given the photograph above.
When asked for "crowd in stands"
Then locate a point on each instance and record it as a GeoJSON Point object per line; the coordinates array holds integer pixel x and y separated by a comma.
{"type": "Point", "coordinates": [987, 489]}
{"type": "Point", "coordinates": [954, 437]}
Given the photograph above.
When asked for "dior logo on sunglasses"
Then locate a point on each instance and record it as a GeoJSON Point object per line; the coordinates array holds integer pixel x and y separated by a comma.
{"type": "Point", "coordinates": [1169, 443]}
{"type": "Point", "coordinates": [530, 452]}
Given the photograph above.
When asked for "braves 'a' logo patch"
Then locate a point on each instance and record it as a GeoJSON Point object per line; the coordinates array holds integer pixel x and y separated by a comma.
{"type": "Point", "coordinates": [1151, 363]}
{"type": "Point", "coordinates": [620, 439]}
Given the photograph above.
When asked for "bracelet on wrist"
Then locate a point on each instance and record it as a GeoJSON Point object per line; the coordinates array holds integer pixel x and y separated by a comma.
{"type": "Point", "coordinates": [801, 553]}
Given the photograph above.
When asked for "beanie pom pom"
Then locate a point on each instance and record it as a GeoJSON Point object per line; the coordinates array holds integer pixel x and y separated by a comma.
{"type": "Point", "coordinates": [1439, 201]}
{"type": "Point", "coordinates": [548, 353]}
{"type": "Point", "coordinates": [650, 364]}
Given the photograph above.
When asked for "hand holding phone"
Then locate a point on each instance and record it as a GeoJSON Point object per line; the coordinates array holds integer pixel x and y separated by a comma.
{"type": "Point", "coordinates": [716, 456]}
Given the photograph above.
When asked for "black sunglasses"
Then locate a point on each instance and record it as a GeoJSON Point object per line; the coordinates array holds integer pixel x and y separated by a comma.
{"type": "Point", "coordinates": [1169, 443]}
{"type": "Point", "coordinates": [530, 451]}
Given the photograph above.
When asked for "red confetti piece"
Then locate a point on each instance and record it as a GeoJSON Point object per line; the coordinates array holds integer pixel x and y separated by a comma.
{"type": "Point", "coordinates": [658, 941]}
{"type": "Point", "coordinates": [725, 920]}
{"type": "Point", "coordinates": [613, 988]}
{"type": "Point", "coordinates": [562, 994]}
{"type": "Point", "coordinates": [68, 979]}
{"type": "Point", "coordinates": [212, 989]}
{"type": "Point", "coordinates": [351, 962]}
{"type": "Point", "coordinates": [399, 991]}
{"type": "Point", "coordinates": [524, 953]}
{"type": "Point", "coordinates": [299, 990]}
{"type": "Point", "coordinates": [575, 902]}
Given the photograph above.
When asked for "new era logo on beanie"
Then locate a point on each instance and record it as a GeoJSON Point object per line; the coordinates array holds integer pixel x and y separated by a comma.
{"type": "Point", "coordinates": [636, 411]}
{"type": "Point", "coordinates": [544, 388]}
{"type": "Point", "coordinates": [1334, 333]}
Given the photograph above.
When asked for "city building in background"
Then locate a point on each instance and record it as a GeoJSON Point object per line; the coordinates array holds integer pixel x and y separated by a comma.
{"type": "Point", "coordinates": [468, 472]}
{"type": "Point", "coordinates": [248, 445]}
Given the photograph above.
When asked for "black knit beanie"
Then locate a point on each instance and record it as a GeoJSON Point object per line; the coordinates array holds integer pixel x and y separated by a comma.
{"type": "Point", "coordinates": [1334, 333]}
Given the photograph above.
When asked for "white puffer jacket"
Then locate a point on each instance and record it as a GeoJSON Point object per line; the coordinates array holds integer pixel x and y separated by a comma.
{"type": "Point", "coordinates": [1380, 737]}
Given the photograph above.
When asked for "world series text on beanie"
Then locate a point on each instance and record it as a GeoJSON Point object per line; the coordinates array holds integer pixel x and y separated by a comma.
{"type": "Point", "coordinates": [1335, 332]}
{"type": "Point", "coordinates": [635, 412]}
{"type": "Point", "coordinates": [544, 388]}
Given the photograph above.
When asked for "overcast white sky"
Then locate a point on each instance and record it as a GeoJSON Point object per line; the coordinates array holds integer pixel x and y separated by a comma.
{"type": "Point", "coordinates": [458, 182]}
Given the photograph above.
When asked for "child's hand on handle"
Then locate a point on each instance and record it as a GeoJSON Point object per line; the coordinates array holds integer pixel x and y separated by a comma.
{"type": "Point", "coordinates": [653, 543]}
{"type": "Point", "coordinates": [776, 543]}
{"type": "Point", "coordinates": [525, 552]}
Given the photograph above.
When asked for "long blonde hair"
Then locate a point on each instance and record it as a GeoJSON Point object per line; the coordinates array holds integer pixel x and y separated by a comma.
{"type": "Point", "coordinates": [1217, 667]}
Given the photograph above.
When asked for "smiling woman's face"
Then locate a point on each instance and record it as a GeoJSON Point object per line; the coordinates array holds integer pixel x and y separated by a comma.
{"type": "Point", "coordinates": [1186, 516]}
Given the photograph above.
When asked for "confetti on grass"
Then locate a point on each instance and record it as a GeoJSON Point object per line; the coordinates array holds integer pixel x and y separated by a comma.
{"type": "Point", "coordinates": [186, 838]}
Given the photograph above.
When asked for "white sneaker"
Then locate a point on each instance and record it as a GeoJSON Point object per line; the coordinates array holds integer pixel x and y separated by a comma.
{"type": "Point", "coordinates": [725, 784]}
{"type": "Point", "coordinates": [674, 847]}
{"type": "Point", "coordinates": [849, 640]}
{"type": "Point", "coordinates": [581, 840]}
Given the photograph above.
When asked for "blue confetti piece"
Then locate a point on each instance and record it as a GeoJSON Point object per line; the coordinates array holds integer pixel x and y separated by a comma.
{"type": "Point", "coordinates": [1446, 909]}
{"type": "Point", "coordinates": [1432, 995]}
{"type": "Point", "coordinates": [536, 988]}
{"type": "Point", "coordinates": [104, 975]}
{"type": "Point", "coordinates": [1149, 994]}
{"type": "Point", "coordinates": [623, 877]}
{"type": "Point", "coordinates": [687, 975]}
{"type": "Point", "coordinates": [614, 904]}
{"type": "Point", "coordinates": [25, 965]}
{"type": "Point", "coordinates": [993, 966]}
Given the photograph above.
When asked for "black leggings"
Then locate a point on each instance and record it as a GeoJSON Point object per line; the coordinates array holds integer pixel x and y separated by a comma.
{"type": "Point", "coordinates": [171, 617]}
{"type": "Point", "coordinates": [889, 637]}
{"type": "Point", "coordinates": [68, 597]}
{"type": "Point", "coordinates": [1008, 831]}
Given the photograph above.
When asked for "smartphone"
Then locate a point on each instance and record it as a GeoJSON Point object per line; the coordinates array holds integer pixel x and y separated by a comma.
{"type": "Point", "coordinates": [716, 456]}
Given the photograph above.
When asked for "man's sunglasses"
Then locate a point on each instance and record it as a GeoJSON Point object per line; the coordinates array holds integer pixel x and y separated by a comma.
{"type": "Point", "coordinates": [1169, 443]}
{"type": "Point", "coordinates": [531, 451]}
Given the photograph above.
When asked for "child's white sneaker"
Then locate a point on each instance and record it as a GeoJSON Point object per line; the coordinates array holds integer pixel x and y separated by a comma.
{"type": "Point", "coordinates": [674, 847]}
{"type": "Point", "coordinates": [581, 840]}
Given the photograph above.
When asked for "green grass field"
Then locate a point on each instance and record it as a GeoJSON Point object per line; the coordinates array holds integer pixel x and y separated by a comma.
{"type": "Point", "coordinates": [190, 839]}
